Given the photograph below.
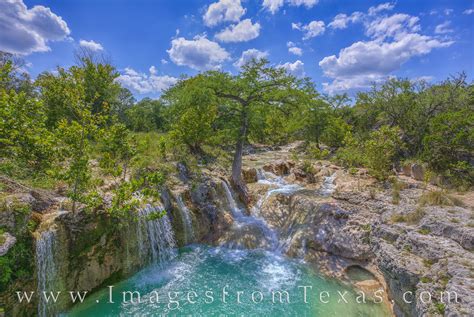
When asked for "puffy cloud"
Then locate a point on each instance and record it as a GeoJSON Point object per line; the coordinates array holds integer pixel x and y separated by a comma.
{"type": "Point", "coordinates": [274, 5]}
{"type": "Point", "coordinates": [91, 45]}
{"type": "Point", "coordinates": [293, 49]}
{"type": "Point", "coordinates": [468, 11]}
{"type": "Point", "coordinates": [312, 29]}
{"type": "Point", "coordinates": [296, 68]}
{"type": "Point", "coordinates": [307, 3]}
{"type": "Point", "coordinates": [392, 26]}
{"type": "Point", "coordinates": [248, 55]}
{"type": "Point", "coordinates": [341, 20]}
{"type": "Point", "coordinates": [145, 83]}
{"type": "Point", "coordinates": [364, 62]}
{"type": "Point", "coordinates": [241, 32]}
{"type": "Point", "coordinates": [223, 10]}
{"type": "Point", "coordinates": [381, 7]}
{"type": "Point", "coordinates": [443, 28]}
{"type": "Point", "coordinates": [198, 53]}
{"type": "Point", "coordinates": [25, 31]}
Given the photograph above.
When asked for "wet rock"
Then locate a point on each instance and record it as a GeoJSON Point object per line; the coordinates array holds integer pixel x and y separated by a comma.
{"type": "Point", "coordinates": [279, 168]}
{"type": "Point", "coordinates": [249, 175]}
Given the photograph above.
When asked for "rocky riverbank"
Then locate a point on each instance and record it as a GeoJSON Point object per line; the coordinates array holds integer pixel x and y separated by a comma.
{"type": "Point", "coordinates": [345, 223]}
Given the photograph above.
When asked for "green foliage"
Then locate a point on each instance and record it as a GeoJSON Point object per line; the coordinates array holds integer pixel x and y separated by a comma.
{"type": "Point", "coordinates": [449, 145]}
{"type": "Point", "coordinates": [16, 264]}
{"type": "Point", "coordinates": [381, 149]}
{"type": "Point", "coordinates": [335, 132]}
{"type": "Point", "coordinates": [146, 115]}
{"type": "Point", "coordinates": [116, 150]}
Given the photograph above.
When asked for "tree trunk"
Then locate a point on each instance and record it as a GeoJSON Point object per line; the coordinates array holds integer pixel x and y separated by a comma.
{"type": "Point", "coordinates": [237, 180]}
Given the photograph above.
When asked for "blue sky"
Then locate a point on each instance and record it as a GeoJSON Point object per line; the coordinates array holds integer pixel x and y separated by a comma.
{"type": "Point", "coordinates": [342, 45]}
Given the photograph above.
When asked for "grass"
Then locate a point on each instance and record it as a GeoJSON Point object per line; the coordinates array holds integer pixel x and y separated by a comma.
{"type": "Point", "coordinates": [2, 237]}
{"type": "Point", "coordinates": [397, 186]}
{"type": "Point", "coordinates": [425, 279]}
{"type": "Point", "coordinates": [440, 307]}
{"type": "Point", "coordinates": [424, 231]}
{"type": "Point", "coordinates": [410, 218]}
{"type": "Point", "coordinates": [439, 198]}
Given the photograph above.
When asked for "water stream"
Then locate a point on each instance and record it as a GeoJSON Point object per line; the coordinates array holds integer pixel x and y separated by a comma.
{"type": "Point", "coordinates": [187, 220]}
{"type": "Point", "coordinates": [46, 269]}
{"type": "Point", "coordinates": [155, 235]}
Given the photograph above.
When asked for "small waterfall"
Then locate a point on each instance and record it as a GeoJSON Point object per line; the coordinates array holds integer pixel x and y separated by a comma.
{"type": "Point", "coordinates": [328, 186]}
{"type": "Point", "coordinates": [186, 216]}
{"type": "Point", "coordinates": [155, 235]}
{"type": "Point", "coordinates": [236, 212]}
{"type": "Point", "coordinates": [46, 267]}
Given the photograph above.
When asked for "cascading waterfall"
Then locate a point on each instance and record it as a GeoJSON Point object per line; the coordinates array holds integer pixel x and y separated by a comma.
{"type": "Point", "coordinates": [328, 186]}
{"type": "Point", "coordinates": [155, 235]}
{"type": "Point", "coordinates": [236, 212]}
{"type": "Point", "coordinates": [187, 220]}
{"type": "Point", "coordinates": [47, 270]}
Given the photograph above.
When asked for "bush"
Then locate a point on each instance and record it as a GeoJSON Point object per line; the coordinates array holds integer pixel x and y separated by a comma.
{"type": "Point", "coordinates": [380, 151]}
{"type": "Point", "coordinates": [439, 198]}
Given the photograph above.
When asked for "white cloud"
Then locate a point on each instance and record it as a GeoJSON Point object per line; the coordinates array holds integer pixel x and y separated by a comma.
{"type": "Point", "coordinates": [296, 68]}
{"type": "Point", "coordinates": [241, 32]}
{"type": "Point", "coordinates": [91, 45]}
{"type": "Point", "coordinates": [145, 83]}
{"type": "Point", "coordinates": [443, 28]}
{"type": "Point", "coordinates": [381, 7]}
{"type": "Point", "coordinates": [198, 53]}
{"type": "Point", "coordinates": [293, 49]}
{"type": "Point", "coordinates": [468, 11]}
{"type": "Point", "coordinates": [223, 10]}
{"type": "Point", "coordinates": [307, 3]}
{"type": "Point", "coordinates": [448, 11]}
{"type": "Point", "coordinates": [248, 55]}
{"type": "Point", "coordinates": [274, 5]}
{"type": "Point", "coordinates": [312, 29]}
{"type": "Point", "coordinates": [164, 61]}
{"type": "Point", "coordinates": [341, 20]}
{"type": "Point", "coordinates": [364, 62]}
{"type": "Point", "coordinates": [24, 31]}
{"type": "Point", "coordinates": [392, 26]}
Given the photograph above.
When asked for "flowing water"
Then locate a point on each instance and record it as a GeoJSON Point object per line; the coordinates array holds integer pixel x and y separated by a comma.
{"type": "Point", "coordinates": [46, 269]}
{"type": "Point", "coordinates": [222, 281]}
{"type": "Point", "coordinates": [199, 275]}
{"type": "Point", "coordinates": [187, 220]}
{"type": "Point", "coordinates": [155, 235]}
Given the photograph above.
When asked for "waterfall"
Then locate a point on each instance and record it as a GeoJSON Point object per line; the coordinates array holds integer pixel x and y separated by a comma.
{"type": "Point", "coordinates": [187, 221]}
{"type": "Point", "coordinates": [46, 268]}
{"type": "Point", "coordinates": [236, 212]}
{"type": "Point", "coordinates": [328, 186]}
{"type": "Point", "coordinates": [155, 235]}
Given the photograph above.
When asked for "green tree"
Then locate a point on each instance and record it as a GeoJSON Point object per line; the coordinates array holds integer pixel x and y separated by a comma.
{"type": "Point", "coordinates": [449, 145]}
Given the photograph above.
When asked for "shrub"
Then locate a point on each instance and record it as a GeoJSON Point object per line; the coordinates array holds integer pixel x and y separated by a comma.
{"type": "Point", "coordinates": [380, 151]}
{"type": "Point", "coordinates": [439, 198]}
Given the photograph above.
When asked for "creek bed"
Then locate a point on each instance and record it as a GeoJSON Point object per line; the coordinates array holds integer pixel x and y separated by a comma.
{"type": "Point", "coordinates": [207, 270]}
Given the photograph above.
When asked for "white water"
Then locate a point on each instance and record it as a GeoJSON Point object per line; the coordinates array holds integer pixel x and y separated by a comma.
{"type": "Point", "coordinates": [328, 186]}
{"type": "Point", "coordinates": [46, 268]}
{"type": "Point", "coordinates": [187, 220]}
{"type": "Point", "coordinates": [276, 185]}
{"type": "Point", "coordinates": [156, 235]}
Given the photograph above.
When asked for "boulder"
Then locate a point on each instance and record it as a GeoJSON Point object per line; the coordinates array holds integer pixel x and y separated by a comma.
{"type": "Point", "coordinates": [249, 175]}
{"type": "Point", "coordinates": [418, 172]}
